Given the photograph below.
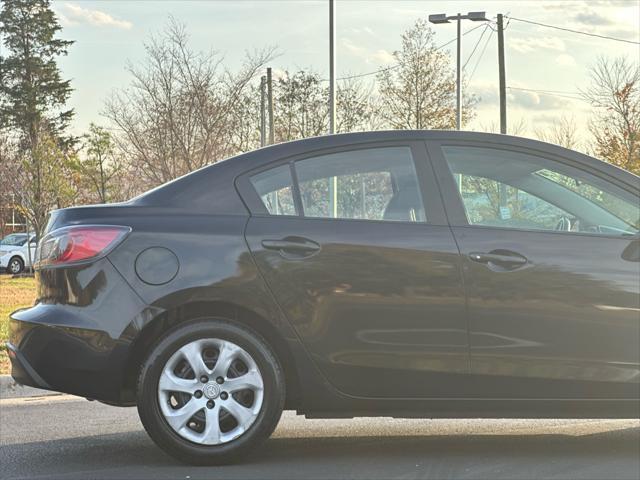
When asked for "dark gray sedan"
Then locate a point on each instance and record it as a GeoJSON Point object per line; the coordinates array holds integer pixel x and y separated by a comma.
{"type": "Point", "coordinates": [406, 274]}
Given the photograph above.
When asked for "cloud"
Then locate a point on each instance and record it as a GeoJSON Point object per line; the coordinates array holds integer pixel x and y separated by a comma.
{"type": "Point", "coordinates": [383, 56]}
{"type": "Point", "coordinates": [573, 4]}
{"type": "Point", "coordinates": [616, 18]}
{"type": "Point", "coordinates": [360, 31]}
{"type": "Point", "coordinates": [530, 44]}
{"type": "Point", "coordinates": [486, 91]}
{"type": "Point", "coordinates": [536, 101]}
{"type": "Point", "coordinates": [75, 14]}
{"type": "Point", "coordinates": [565, 60]}
{"type": "Point", "coordinates": [380, 56]}
{"type": "Point", "coordinates": [592, 17]}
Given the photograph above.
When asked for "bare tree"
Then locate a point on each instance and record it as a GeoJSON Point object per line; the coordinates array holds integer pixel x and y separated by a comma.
{"type": "Point", "coordinates": [175, 116]}
{"type": "Point", "coordinates": [244, 121]}
{"type": "Point", "coordinates": [563, 132]}
{"type": "Point", "coordinates": [519, 127]}
{"type": "Point", "coordinates": [355, 106]}
{"type": "Point", "coordinates": [615, 94]}
{"type": "Point", "coordinates": [420, 92]}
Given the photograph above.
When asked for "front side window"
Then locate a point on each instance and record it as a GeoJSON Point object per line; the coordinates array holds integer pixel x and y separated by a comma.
{"type": "Point", "coordinates": [368, 184]}
{"type": "Point", "coordinates": [507, 189]}
{"type": "Point", "coordinates": [275, 188]}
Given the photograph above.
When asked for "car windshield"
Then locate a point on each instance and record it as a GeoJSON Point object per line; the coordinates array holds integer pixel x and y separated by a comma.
{"type": "Point", "coordinates": [14, 240]}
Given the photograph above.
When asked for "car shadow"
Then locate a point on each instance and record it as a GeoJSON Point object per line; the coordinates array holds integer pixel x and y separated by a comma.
{"type": "Point", "coordinates": [611, 454]}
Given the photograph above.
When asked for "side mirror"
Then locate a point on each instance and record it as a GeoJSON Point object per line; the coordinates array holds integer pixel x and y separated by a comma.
{"type": "Point", "coordinates": [632, 252]}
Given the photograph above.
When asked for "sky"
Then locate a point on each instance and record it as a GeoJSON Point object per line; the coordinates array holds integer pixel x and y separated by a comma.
{"type": "Point", "coordinates": [108, 34]}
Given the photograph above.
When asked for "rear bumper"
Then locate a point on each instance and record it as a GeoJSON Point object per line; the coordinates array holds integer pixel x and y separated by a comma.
{"type": "Point", "coordinates": [72, 360]}
{"type": "Point", "coordinates": [79, 337]}
{"type": "Point", "coordinates": [22, 372]}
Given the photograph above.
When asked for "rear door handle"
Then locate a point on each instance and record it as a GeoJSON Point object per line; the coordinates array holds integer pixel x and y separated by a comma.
{"type": "Point", "coordinates": [294, 245]}
{"type": "Point", "coordinates": [511, 259]}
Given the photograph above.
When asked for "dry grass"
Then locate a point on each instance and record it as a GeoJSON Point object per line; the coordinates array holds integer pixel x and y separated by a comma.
{"type": "Point", "coordinates": [14, 293]}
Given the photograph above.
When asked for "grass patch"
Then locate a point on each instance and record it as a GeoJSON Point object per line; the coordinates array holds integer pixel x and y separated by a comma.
{"type": "Point", "coordinates": [14, 293]}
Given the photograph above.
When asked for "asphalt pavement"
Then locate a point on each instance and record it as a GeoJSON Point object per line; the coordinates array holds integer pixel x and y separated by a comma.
{"type": "Point", "coordinates": [71, 438]}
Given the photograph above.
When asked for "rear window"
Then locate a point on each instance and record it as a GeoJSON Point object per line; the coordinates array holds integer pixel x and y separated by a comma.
{"type": "Point", "coordinates": [275, 188]}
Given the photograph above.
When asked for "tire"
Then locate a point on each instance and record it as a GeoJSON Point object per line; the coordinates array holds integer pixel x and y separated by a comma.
{"type": "Point", "coordinates": [15, 265]}
{"type": "Point", "coordinates": [191, 442]}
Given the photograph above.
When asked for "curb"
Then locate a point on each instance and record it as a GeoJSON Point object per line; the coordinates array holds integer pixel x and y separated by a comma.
{"type": "Point", "coordinates": [9, 388]}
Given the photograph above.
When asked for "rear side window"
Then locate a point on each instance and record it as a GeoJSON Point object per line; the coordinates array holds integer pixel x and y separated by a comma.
{"type": "Point", "coordinates": [275, 188]}
{"type": "Point", "coordinates": [368, 184]}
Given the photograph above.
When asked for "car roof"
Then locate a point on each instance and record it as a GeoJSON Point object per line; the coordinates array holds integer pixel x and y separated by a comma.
{"type": "Point", "coordinates": [211, 189]}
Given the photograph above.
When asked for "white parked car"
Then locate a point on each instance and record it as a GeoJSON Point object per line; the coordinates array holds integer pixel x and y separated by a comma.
{"type": "Point", "coordinates": [14, 256]}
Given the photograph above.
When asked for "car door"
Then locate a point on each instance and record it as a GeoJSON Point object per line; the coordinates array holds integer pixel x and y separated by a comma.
{"type": "Point", "coordinates": [551, 268]}
{"type": "Point", "coordinates": [354, 245]}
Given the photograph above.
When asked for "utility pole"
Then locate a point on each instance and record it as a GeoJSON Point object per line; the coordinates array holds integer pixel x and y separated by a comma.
{"type": "Point", "coordinates": [443, 18]}
{"type": "Point", "coordinates": [263, 113]}
{"type": "Point", "coordinates": [270, 103]}
{"type": "Point", "coordinates": [332, 67]}
{"type": "Point", "coordinates": [502, 77]}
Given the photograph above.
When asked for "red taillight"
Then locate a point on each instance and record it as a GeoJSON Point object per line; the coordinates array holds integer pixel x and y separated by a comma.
{"type": "Point", "coordinates": [77, 243]}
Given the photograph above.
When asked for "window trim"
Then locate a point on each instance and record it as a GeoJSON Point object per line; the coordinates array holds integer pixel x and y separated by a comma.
{"type": "Point", "coordinates": [453, 202]}
{"type": "Point", "coordinates": [427, 184]}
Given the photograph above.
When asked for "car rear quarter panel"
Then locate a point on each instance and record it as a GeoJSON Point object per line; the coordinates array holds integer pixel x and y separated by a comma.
{"type": "Point", "coordinates": [216, 276]}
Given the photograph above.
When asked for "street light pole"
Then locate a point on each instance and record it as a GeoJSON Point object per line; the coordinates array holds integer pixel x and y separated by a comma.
{"type": "Point", "coordinates": [332, 67]}
{"type": "Point", "coordinates": [459, 76]}
{"type": "Point", "coordinates": [443, 18]}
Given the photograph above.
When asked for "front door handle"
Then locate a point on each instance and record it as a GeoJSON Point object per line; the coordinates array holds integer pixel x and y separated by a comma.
{"type": "Point", "coordinates": [508, 259]}
{"type": "Point", "coordinates": [294, 245]}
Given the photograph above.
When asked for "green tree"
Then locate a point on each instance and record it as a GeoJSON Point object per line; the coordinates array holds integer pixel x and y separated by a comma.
{"type": "Point", "coordinates": [301, 107]}
{"type": "Point", "coordinates": [98, 165]}
{"type": "Point", "coordinates": [32, 105]}
{"type": "Point", "coordinates": [41, 181]}
{"type": "Point", "coordinates": [32, 91]}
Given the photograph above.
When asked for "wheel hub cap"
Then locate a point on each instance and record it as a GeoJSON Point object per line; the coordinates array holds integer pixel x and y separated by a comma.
{"type": "Point", "coordinates": [233, 380]}
{"type": "Point", "coordinates": [211, 390]}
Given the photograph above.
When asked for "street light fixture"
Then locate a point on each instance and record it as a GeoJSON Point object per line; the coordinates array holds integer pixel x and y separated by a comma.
{"type": "Point", "coordinates": [443, 18]}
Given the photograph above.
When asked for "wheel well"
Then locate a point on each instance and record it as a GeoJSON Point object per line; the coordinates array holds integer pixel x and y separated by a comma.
{"type": "Point", "coordinates": [145, 341]}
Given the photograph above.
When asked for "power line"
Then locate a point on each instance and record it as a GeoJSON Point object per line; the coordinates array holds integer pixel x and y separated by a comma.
{"type": "Point", "coordinates": [463, 34]}
{"type": "Point", "coordinates": [548, 93]}
{"type": "Point", "coordinates": [475, 47]}
{"type": "Point", "coordinates": [359, 75]}
{"type": "Point", "coordinates": [544, 91]}
{"type": "Point", "coordinates": [365, 74]}
{"type": "Point", "coordinates": [574, 31]}
{"type": "Point", "coordinates": [484, 49]}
